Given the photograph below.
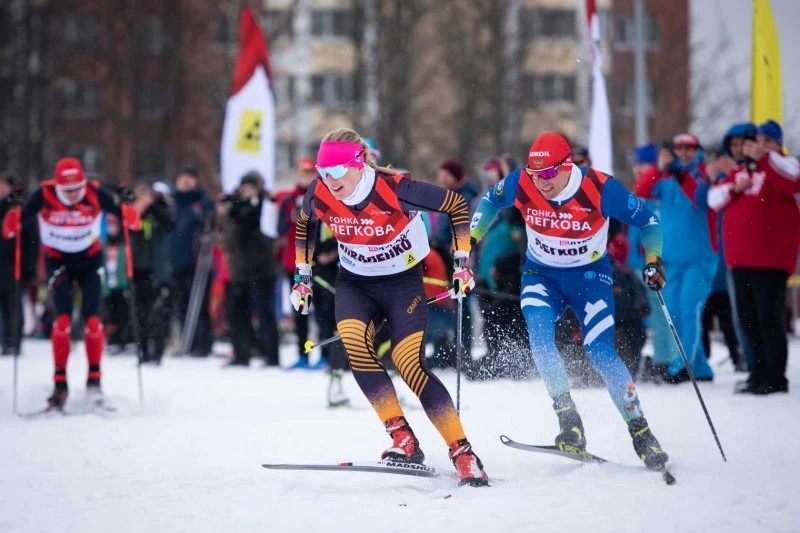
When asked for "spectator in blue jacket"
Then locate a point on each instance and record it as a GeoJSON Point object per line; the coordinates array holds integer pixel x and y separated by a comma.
{"type": "Point", "coordinates": [688, 252]}
{"type": "Point", "coordinates": [194, 212]}
{"type": "Point", "coordinates": [653, 368]}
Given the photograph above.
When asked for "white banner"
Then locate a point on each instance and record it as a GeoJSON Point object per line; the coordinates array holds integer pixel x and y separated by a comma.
{"type": "Point", "coordinates": [600, 146]}
{"type": "Point", "coordinates": [248, 133]}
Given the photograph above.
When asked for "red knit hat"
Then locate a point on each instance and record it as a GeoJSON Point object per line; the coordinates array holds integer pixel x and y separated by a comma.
{"type": "Point", "coordinates": [493, 164]}
{"type": "Point", "coordinates": [69, 173]}
{"type": "Point", "coordinates": [306, 164]}
{"type": "Point", "coordinates": [454, 167]}
{"type": "Point", "coordinates": [548, 150]}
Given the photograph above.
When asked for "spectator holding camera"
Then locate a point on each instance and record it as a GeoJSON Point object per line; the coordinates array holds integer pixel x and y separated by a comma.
{"type": "Point", "coordinates": [151, 269]}
{"type": "Point", "coordinates": [653, 369]}
{"type": "Point", "coordinates": [732, 153]}
{"type": "Point", "coordinates": [251, 267]}
{"type": "Point", "coordinates": [761, 233]}
{"type": "Point", "coordinates": [719, 301]}
{"type": "Point", "coordinates": [688, 252]}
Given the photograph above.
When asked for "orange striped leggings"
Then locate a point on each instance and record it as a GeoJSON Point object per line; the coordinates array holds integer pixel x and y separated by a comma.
{"type": "Point", "coordinates": [361, 303]}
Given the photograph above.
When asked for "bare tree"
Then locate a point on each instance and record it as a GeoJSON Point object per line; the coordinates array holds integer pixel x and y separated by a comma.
{"type": "Point", "coordinates": [398, 20]}
{"type": "Point", "coordinates": [716, 92]}
{"type": "Point", "coordinates": [125, 63]}
{"type": "Point", "coordinates": [511, 98]}
{"type": "Point", "coordinates": [368, 65]}
{"type": "Point", "coordinates": [24, 91]}
{"type": "Point", "coordinates": [475, 61]}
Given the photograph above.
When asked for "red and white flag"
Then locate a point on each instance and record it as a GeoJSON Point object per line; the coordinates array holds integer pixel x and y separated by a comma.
{"type": "Point", "coordinates": [248, 134]}
{"type": "Point", "coordinates": [600, 121]}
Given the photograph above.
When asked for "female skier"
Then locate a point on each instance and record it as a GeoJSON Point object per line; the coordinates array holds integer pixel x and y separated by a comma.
{"type": "Point", "coordinates": [374, 213]}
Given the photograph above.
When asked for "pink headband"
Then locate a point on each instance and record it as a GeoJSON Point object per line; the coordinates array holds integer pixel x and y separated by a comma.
{"type": "Point", "coordinates": [332, 153]}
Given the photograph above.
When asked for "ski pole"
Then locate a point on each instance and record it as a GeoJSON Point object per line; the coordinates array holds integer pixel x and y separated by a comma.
{"type": "Point", "coordinates": [132, 302]}
{"type": "Point", "coordinates": [459, 325]}
{"type": "Point", "coordinates": [197, 292]}
{"type": "Point", "coordinates": [325, 285]}
{"type": "Point", "coordinates": [15, 313]}
{"type": "Point", "coordinates": [689, 369]}
{"type": "Point", "coordinates": [309, 345]}
{"type": "Point", "coordinates": [495, 294]}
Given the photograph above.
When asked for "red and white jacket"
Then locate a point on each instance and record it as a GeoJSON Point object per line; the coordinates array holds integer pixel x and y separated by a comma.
{"type": "Point", "coordinates": [761, 226]}
{"type": "Point", "coordinates": [70, 233]}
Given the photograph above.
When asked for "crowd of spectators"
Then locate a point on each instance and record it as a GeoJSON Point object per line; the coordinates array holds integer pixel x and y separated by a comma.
{"type": "Point", "coordinates": [730, 223]}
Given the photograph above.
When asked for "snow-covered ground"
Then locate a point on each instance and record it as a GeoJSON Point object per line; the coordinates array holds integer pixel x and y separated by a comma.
{"type": "Point", "coordinates": [191, 459]}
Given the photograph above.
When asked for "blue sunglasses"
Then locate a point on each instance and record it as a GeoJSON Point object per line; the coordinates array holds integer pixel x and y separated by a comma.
{"type": "Point", "coordinates": [336, 172]}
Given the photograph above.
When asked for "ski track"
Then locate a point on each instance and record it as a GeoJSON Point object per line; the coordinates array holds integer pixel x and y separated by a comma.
{"type": "Point", "coordinates": [191, 459]}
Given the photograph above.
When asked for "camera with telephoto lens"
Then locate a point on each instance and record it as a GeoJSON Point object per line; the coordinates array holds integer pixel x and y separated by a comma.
{"type": "Point", "coordinates": [751, 134]}
{"type": "Point", "coordinates": [675, 165]}
{"type": "Point", "coordinates": [16, 198]}
{"type": "Point", "coordinates": [125, 193]}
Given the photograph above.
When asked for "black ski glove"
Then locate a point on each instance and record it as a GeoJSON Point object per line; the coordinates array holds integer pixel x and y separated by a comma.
{"type": "Point", "coordinates": [653, 274]}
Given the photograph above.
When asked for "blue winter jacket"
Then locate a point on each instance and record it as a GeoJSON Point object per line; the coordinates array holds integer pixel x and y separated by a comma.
{"type": "Point", "coordinates": [684, 223]}
{"type": "Point", "coordinates": [192, 209]}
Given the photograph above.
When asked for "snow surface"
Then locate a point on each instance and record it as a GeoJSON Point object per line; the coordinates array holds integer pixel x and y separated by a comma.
{"type": "Point", "coordinates": [191, 459]}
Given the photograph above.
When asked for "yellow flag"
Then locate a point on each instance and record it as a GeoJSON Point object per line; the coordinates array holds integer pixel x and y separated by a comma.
{"type": "Point", "coordinates": [767, 89]}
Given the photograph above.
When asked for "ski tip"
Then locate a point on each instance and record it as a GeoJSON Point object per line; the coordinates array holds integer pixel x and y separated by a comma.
{"type": "Point", "coordinates": [504, 439]}
{"type": "Point", "coordinates": [43, 413]}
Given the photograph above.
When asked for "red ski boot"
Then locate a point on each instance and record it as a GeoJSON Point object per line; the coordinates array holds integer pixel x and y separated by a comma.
{"type": "Point", "coordinates": [405, 446]}
{"type": "Point", "coordinates": [468, 465]}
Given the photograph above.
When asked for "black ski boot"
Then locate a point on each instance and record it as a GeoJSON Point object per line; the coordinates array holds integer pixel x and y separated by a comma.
{"type": "Point", "coordinates": [647, 447]}
{"type": "Point", "coordinates": [94, 393]}
{"type": "Point", "coordinates": [571, 439]}
{"type": "Point", "coordinates": [57, 400]}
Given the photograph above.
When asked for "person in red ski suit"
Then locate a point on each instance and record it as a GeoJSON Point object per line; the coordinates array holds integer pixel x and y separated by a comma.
{"type": "Point", "coordinates": [69, 211]}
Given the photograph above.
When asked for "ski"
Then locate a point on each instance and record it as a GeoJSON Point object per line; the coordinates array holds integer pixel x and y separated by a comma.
{"type": "Point", "coordinates": [381, 467]}
{"type": "Point", "coordinates": [51, 412]}
{"type": "Point", "coordinates": [101, 410]}
{"type": "Point", "coordinates": [47, 412]}
{"type": "Point", "coordinates": [577, 455]}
